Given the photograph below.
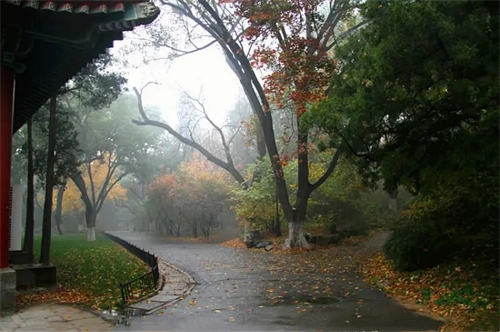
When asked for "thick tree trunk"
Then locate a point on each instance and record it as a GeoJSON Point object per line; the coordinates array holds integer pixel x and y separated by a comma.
{"type": "Point", "coordinates": [29, 229]}
{"type": "Point", "coordinates": [90, 217]}
{"type": "Point", "coordinates": [90, 209]}
{"type": "Point", "coordinates": [296, 236]}
{"type": "Point", "coordinates": [91, 233]}
{"type": "Point", "coordinates": [58, 211]}
{"type": "Point", "coordinates": [49, 183]}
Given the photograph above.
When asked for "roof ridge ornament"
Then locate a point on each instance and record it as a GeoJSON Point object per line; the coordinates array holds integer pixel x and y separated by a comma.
{"type": "Point", "coordinates": [49, 5]}
{"type": "Point", "coordinates": [31, 4]}
{"type": "Point", "coordinates": [134, 15]}
{"type": "Point", "coordinates": [83, 9]}
{"type": "Point", "coordinates": [67, 7]}
{"type": "Point", "coordinates": [102, 9]}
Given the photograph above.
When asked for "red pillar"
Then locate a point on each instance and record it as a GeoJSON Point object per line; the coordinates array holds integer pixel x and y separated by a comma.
{"type": "Point", "coordinates": [6, 115]}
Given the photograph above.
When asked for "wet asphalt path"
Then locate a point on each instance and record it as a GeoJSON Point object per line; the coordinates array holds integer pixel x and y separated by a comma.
{"type": "Point", "coordinates": [242, 290]}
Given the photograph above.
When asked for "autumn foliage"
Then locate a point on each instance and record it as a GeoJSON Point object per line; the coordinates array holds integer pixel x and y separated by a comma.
{"type": "Point", "coordinates": [452, 291]}
{"type": "Point", "coordinates": [299, 64]}
{"type": "Point", "coordinates": [192, 196]}
{"type": "Point", "coordinates": [95, 177]}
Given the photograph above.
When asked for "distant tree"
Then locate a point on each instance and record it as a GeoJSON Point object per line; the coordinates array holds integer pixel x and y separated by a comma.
{"type": "Point", "coordinates": [108, 135]}
{"type": "Point", "coordinates": [165, 157]}
{"type": "Point", "coordinates": [97, 184]}
{"type": "Point", "coordinates": [225, 161]}
{"type": "Point", "coordinates": [94, 86]}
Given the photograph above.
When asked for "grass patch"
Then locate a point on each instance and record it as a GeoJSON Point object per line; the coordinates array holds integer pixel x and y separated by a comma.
{"type": "Point", "coordinates": [88, 273]}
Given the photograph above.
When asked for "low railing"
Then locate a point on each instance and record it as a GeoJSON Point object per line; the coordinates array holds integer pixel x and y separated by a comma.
{"type": "Point", "coordinates": [144, 284]}
{"type": "Point", "coordinates": [138, 287]}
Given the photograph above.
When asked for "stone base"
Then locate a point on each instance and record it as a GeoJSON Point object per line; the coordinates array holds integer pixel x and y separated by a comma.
{"type": "Point", "coordinates": [35, 275]}
{"type": "Point", "coordinates": [7, 290]}
{"type": "Point", "coordinates": [19, 257]}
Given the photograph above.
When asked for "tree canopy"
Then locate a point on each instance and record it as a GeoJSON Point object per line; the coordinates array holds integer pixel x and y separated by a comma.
{"type": "Point", "coordinates": [416, 88]}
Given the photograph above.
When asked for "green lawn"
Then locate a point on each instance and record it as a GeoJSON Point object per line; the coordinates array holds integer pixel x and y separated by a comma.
{"type": "Point", "coordinates": [88, 272]}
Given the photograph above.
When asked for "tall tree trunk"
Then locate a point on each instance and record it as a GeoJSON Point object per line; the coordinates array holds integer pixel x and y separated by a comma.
{"type": "Point", "coordinates": [296, 235]}
{"type": "Point", "coordinates": [49, 183]}
{"type": "Point", "coordinates": [277, 222]}
{"type": "Point", "coordinates": [58, 211]}
{"type": "Point", "coordinates": [90, 211]}
{"type": "Point", "coordinates": [29, 229]}
{"type": "Point", "coordinates": [90, 217]}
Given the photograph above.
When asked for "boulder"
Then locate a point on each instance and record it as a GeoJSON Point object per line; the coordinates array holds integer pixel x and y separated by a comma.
{"type": "Point", "coordinates": [269, 247]}
{"type": "Point", "coordinates": [252, 238]}
{"type": "Point", "coordinates": [263, 244]}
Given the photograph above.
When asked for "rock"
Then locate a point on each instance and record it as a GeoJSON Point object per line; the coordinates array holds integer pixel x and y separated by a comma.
{"type": "Point", "coordinates": [252, 238]}
{"type": "Point", "coordinates": [269, 247]}
{"type": "Point", "coordinates": [249, 244]}
{"type": "Point", "coordinates": [263, 244]}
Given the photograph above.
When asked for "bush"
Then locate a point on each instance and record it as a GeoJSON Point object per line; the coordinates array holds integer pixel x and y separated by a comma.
{"type": "Point", "coordinates": [416, 245]}
{"type": "Point", "coordinates": [447, 225]}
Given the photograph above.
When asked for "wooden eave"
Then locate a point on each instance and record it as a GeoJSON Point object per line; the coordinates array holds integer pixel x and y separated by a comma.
{"type": "Point", "coordinates": [55, 46]}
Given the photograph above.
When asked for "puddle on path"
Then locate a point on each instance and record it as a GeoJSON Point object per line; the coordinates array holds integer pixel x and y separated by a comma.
{"type": "Point", "coordinates": [303, 299]}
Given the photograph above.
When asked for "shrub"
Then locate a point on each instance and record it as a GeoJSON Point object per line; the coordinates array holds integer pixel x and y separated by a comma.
{"type": "Point", "coordinates": [417, 245]}
{"type": "Point", "coordinates": [440, 227]}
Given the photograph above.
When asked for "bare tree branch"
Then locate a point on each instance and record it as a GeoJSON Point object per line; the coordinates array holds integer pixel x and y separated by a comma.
{"type": "Point", "coordinates": [227, 151]}
{"type": "Point", "coordinates": [147, 121]}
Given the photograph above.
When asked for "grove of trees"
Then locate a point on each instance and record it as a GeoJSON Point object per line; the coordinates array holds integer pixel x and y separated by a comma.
{"type": "Point", "coordinates": [353, 115]}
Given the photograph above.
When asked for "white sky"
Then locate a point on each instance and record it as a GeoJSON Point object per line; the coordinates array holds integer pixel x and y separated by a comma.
{"type": "Point", "coordinates": [206, 69]}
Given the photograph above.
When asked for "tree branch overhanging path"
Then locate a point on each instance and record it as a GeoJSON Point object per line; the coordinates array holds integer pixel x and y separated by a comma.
{"type": "Point", "coordinates": [227, 165]}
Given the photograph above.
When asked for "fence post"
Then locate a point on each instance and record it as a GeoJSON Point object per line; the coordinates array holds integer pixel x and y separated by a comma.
{"type": "Point", "coordinates": [122, 293]}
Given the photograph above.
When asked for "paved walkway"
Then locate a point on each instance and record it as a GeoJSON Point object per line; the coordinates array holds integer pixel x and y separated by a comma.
{"type": "Point", "coordinates": [53, 317]}
{"type": "Point", "coordinates": [242, 290]}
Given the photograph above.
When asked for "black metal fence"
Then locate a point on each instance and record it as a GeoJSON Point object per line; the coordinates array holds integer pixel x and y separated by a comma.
{"type": "Point", "coordinates": [138, 287]}
{"type": "Point", "coordinates": [144, 284]}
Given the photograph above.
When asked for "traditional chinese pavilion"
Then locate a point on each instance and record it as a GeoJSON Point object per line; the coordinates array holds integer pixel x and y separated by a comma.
{"type": "Point", "coordinates": [44, 44]}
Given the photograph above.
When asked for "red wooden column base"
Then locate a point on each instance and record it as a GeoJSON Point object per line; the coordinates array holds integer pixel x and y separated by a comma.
{"type": "Point", "coordinates": [6, 116]}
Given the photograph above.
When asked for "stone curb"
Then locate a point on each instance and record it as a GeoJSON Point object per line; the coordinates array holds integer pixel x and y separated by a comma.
{"type": "Point", "coordinates": [189, 282]}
